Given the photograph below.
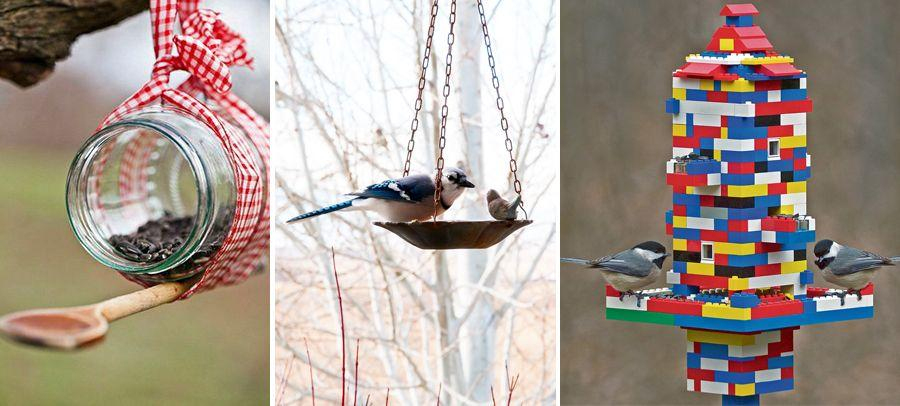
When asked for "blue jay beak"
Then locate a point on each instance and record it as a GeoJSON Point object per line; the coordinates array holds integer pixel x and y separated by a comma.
{"type": "Point", "coordinates": [466, 183]}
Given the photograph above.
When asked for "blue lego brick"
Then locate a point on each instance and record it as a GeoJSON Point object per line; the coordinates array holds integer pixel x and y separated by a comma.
{"type": "Point", "coordinates": [738, 179]}
{"type": "Point", "coordinates": [686, 233]}
{"type": "Point", "coordinates": [807, 277]}
{"type": "Point", "coordinates": [784, 361]}
{"type": "Point", "coordinates": [839, 315]}
{"type": "Point", "coordinates": [744, 156]}
{"type": "Point", "coordinates": [740, 122]}
{"type": "Point", "coordinates": [707, 143]}
{"type": "Point", "coordinates": [747, 133]}
{"type": "Point", "coordinates": [800, 152]}
{"type": "Point", "coordinates": [774, 386]}
{"type": "Point", "coordinates": [793, 94]}
{"type": "Point", "coordinates": [747, 72]}
{"type": "Point", "coordinates": [717, 85]}
{"type": "Point", "coordinates": [780, 165]}
{"type": "Point", "coordinates": [694, 358]}
{"type": "Point", "coordinates": [744, 300]}
{"type": "Point", "coordinates": [706, 298]}
{"type": "Point", "coordinates": [695, 95]}
{"type": "Point", "coordinates": [739, 21]}
{"type": "Point", "coordinates": [692, 211]}
{"type": "Point", "coordinates": [753, 97]}
{"type": "Point", "coordinates": [669, 217]}
{"type": "Point", "coordinates": [748, 260]}
{"type": "Point", "coordinates": [684, 290]}
{"type": "Point", "coordinates": [689, 124]}
{"type": "Point", "coordinates": [713, 350]}
{"type": "Point", "coordinates": [751, 213]}
{"type": "Point", "coordinates": [730, 400]}
{"type": "Point", "coordinates": [740, 237]}
{"type": "Point", "coordinates": [685, 199]}
{"type": "Point", "coordinates": [715, 54]}
{"type": "Point", "coordinates": [679, 266]}
{"type": "Point", "coordinates": [720, 224]}
{"type": "Point", "coordinates": [795, 237]}
{"type": "Point", "coordinates": [672, 106]}
{"type": "Point", "coordinates": [704, 166]}
{"type": "Point", "coordinates": [801, 245]}
{"type": "Point", "coordinates": [734, 377]}
{"type": "Point", "coordinates": [767, 201]}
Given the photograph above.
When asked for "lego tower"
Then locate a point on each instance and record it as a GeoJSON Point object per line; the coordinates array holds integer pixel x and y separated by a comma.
{"type": "Point", "coordinates": [739, 224]}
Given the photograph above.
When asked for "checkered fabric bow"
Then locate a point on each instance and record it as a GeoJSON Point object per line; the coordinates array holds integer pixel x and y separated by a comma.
{"type": "Point", "coordinates": [205, 49]}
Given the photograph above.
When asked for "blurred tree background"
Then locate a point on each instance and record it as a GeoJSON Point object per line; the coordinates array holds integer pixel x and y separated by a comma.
{"type": "Point", "coordinates": [617, 60]}
{"type": "Point", "coordinates": [211, 349]}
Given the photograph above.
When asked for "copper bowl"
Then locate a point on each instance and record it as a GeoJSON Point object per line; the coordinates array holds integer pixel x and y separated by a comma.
{"type": "Point", "coordinates": [450, 235]}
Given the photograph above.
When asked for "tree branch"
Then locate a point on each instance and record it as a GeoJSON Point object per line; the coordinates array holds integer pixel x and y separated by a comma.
{"type": "Point", "coordinates": [35, 34]}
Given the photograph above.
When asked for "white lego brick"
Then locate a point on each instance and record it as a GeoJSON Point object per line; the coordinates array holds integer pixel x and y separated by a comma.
{"type": "Point", "coordinates": [690, 347]}
{"type": "Point", "coordinates": [779, 257]}
{"type": "Point", "coordinates": [673, 277]}
{"type": "Point", "coordinates": [720, 109]}
{"type": "Point", "coordinates": [754, 225]}
{"type": "Point", "coordinates": [768, 236]}
{"type": "Point", "coordinates": [679, 151]}
{"type": "Point", "coordinates": [719, 388]}
{"type": "Point", "coordinates": [680, 118]}
{"type": "Point", "coordinates": [628, 302]}
{"type": "Point", "coordinates": [685, 83]}
{"type": "Point", "coordinates": [767, 178]}
{"type": "Point", "coordinates": [793, 118]}
{"type": "Point", "coordinates": [829, 303]}
{"type": "Point", "coordinates": [714, 364]}
{"type": "Point", "coordinates": [731, 144]}
{"type": "Point", "coordinates": [793, 198]}
{"type": "Point", "coordinates": [809, 160]}
{"type": "Point", "coordinates": [803, 83]}
{"type": "Point", "coordinates": [759, 282]}
{"type": "Point", "coordinates": [714, 212]}
{"type": "Point", "coordinates": [670, 166]}
{"type": "Point", "coordinates": [800, 209]}
{"type": "Point", "coordinates": [715, 190]}
{"type": "Point", "coordinates": [708, 120]}
{"type": "Point", "coordinates": [690, 385]}
{"type": "Point", "coordinates": [701, 223]}
{"type": "Point", "coordinates": [724, 167]}
{"type": "Point", "coordinates": [767, 375]}
{"type": "Point", "coordinates": [714, 179]}
{"type": "Point", "coordinates": [812, 220]}
{"type": "Point", "coordinates": [799, 129]}
{"type": "Point", "coordinates": [799, 289]}
{"type": "Point", "coordinates": [730, 59]}
{"type": "Point", "coordinates": [773, 95]}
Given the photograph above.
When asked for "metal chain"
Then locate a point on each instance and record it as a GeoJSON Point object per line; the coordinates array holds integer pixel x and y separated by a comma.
{"type": "Point", "coordinates": [444, 110]}
{"type": "Point", "coordinates": [411, 144]}
{"type": "Point", "coordinates": [513, 165]}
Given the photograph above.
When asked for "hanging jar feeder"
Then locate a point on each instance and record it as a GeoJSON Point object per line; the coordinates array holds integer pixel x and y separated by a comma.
{"type": "Point", "coordinates": [442, 235]}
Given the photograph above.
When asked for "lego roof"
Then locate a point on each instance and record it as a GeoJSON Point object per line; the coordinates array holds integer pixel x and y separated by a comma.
{"type": "Point", "coordinates": [734, 10]}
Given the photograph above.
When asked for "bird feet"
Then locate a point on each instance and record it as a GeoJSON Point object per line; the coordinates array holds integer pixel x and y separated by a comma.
{"type": "Point", "coordinates": [843, 295]}
{"type": "Point", "coordinates": [638, 295]}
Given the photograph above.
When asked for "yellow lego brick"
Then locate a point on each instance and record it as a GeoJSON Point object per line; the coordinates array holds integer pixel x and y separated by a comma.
{"type": "Point", "coordinates": [731, 248]}
{"type": "Point", "coordinates": [678, 244]}
{"type": "Point", "coordinates": [796, 187]}
{"type": "Point", "coordinates": [717, 154]}
{"type": "Point", "coordinates": [726, 44]}
{"type": "Point", "coordinates": [793, 142]}
{"type": "Point", "coordinates": [736, 283]}
{"type": "Point", "coordinates": [714, 337]}
{"type": "Point", "coordinates": [680, 130]}
{"type": "Point", "coordinates": [706, 85]}
{"type": "Point", "coordinates": [793, 267]}
{"type": "Point", "coordinates": [689, 190]}
{"type": "Point", "coordinates": [740, 85]}
{"type": "Point", "coordinates": [679, 221]}
{"type": "Point", "coordinates": [679, 94]}
{"type": "Point", "coordinates": [724, 132]}
{"type": "Point", "coordinates": [767, 60]}
{"type": "Point", "coordinates": [788, 209]}
{"type": "Point", "coordinates": [695, 268]}
{"type": "Point", "coordinates": [723, 311]}
{"type": "Point", "coordinates": [744, 389]}
{"type": "Point", "coordinates": [749, 190]}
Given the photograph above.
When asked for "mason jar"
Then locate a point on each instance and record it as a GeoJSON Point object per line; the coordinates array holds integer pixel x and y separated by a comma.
{"type": "Point", "coordinates": [152, 195]}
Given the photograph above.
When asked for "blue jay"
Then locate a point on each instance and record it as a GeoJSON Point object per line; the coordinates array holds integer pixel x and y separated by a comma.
{"type": "Point", "coordinates": [630, 269]}
{"type": "Point", "coordinates": [402, 200]}
{"type": "Point", "coordinates": [848, 267]}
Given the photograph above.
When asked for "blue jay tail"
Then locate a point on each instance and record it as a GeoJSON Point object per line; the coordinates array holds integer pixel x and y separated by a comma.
{"type": "Point", "coordinates": [576, 261]}
{"type": "Point", "coordinates": [324, 210]}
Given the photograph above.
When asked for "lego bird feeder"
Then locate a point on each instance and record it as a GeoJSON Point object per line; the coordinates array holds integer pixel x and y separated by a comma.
{"type": "Point", "coordinates": [441, 235]}
{"type": "Point", "coordinates": [740, 285]}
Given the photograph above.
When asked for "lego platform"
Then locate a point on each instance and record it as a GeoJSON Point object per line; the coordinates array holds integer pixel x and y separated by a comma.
{"type": "Point", "coordinates": [740, 312]}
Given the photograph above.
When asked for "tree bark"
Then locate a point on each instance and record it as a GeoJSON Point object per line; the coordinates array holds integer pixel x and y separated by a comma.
{"type": "Point", "coordinates": [35, 34]}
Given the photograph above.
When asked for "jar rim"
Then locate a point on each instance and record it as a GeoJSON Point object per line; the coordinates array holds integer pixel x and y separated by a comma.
{"type": "Point", "coordinates": [87, 230]}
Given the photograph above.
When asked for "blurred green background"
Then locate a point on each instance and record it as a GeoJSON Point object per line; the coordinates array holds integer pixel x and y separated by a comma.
{"type": "Point", "coordinates": [210, 349]}
{"type": "Point", "coordinates": [617, 61]}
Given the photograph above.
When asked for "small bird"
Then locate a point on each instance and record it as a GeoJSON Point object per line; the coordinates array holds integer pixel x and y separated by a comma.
{"type": "Point", "coordinates": [410, 198]}
{"type": "Point", "coordinates": [848, 267]}
{"type": "Point", "coordinates": [630, 269]}
{"type": "Point", "coordinates": [500, 208]}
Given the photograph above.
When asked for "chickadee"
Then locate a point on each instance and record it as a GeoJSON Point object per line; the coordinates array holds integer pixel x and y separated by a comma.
{"type": "Point", "coordinates": [402, 200]}
{"type": "Point", "coordinates": [848, 267]}
{"type": "Point", "coordinates": [630, 269]}
{"type": "Point", "coordinates": [500, 208]}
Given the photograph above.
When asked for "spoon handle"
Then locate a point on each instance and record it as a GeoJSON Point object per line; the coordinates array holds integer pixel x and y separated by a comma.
{"type": "Point", "coordinates": [136, 302]}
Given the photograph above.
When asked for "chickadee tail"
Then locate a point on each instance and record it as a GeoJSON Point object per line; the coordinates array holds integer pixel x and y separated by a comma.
{"type": "Point", "coordinates": [324, 210]}
{"type": "Point", "coordinates": [895, 260]}
{"type": "Point", "coordinates": [515, 203]}
{"type": "Point", "coordinates": [576, 261]}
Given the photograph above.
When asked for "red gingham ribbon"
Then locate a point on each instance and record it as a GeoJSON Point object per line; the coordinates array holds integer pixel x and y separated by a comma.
{"type": "Point", "coordinates": [206, 48]}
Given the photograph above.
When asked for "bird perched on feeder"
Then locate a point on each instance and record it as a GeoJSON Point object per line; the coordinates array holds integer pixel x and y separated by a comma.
{"type": "Point", "coordinates": [500, 208]}
{"type": "Point", "coordinates": [848, 267]}
{"type": "Point", "coordinates": [630, 269]}
{"type": "Point", "coordinates": [410, 198]}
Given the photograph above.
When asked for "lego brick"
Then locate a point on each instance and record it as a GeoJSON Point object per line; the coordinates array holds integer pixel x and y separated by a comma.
{"type": "Point", "coordinates": [720, 109]}
{"type": "Point", "coordinates": [747, 300]}
{"type": "Point", "coordinates": [732, 400]}
{"type": "Point", "coordinates": [674, 306]}
{"type": "Point", "coordinates": [720, 338]}
{"type": "Point", "coordinates": [642, 317]}
{"type": "Point", "coordinates": [722, 311]}
{"type": "Point", "coordinates": [731, 10]}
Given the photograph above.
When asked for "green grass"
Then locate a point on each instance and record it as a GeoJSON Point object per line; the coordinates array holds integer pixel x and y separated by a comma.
{"type": "Point", "coordinates": [211, 349]}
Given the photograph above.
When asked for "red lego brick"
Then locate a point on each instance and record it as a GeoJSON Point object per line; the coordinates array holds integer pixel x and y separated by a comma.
{"type": "Point", "coordinates": [777, 188]}
{"type": "Point", "coordinates": [787, 373]}
{"type": "Point", "coordinates": [669, 229]}
{"type": "Point", "coordinates": [741, 167]}
{"type": "Point", "coordinates": [786, 153]}
{"type": "Point", "coordinates": [734, 10]}
{"type": "Point", "coordinates": [868, 290]}
{"type": "Point", "coordinates": [720, 259]}
{"type": "Point", "coordinates": [780, 131]}
{"type": "Point", "coordinates": [693, 245]}
{"type": "Point", "coordinates": [783, 107]}
{"type": "Point", "coordinates": [611, 291]}
{"type": "Point", "coordinates": [712, 235]}
{"type": "Point", "coordinates": [813, 291]}
{"type": "Point", "coordinates": [701, 374]}
{"type": "Point", "coordinates": [715, 96]}
{"type": "Point", "coordinates": [775, 309]}
{"type": "Point", "coordinates": [767, 270]}
{"type": "Point", "coordinates": [752, 44]}
{"type": "Point", "coordinates": [704, 281]}
{"type": "Point", "coordinates": [675, 306]}
{"type": "Point", "coordinates": [766, 85]}
{"type": "Point", "coordinates": [779, 224]}
{"type": "Point", "coordinates": [686, 142]}
{"type": "Point", "coordinates": [679, 210]}
{"type": "Point", "coordinates": [707, 200]}
{"type": "Point", "coordinates": [703, 131]}
{"type": "Point", "coordinates": [779, 69]}
{"type": "Point", "coordinates": [738, 225]}
{"type": "Point", "coordinates": [799, 164]}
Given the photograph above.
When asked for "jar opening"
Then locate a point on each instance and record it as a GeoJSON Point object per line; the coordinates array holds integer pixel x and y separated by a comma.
{"type": "Point", "coordinates": [143, 189]}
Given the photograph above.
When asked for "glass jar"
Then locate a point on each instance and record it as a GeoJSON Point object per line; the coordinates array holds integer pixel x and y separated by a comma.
{"type": "Point", "coordinates": [152, 195]}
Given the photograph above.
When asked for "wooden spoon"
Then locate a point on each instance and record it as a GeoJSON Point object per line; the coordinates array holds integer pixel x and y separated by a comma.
{"type": "Point", "coordinates": [70, 328]}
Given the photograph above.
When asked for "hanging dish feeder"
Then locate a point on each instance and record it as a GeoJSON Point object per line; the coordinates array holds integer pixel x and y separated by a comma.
{"type": "Point", "coordinates": [442, 235]}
